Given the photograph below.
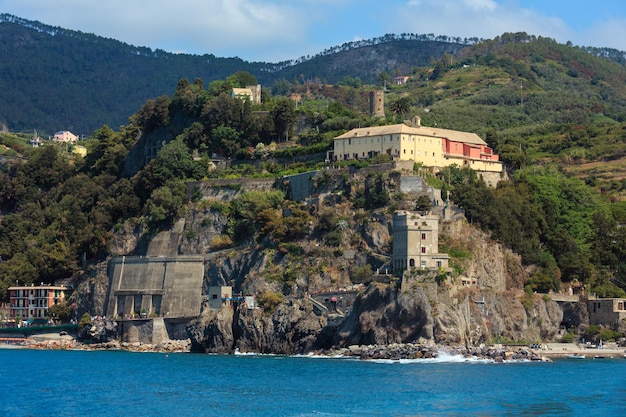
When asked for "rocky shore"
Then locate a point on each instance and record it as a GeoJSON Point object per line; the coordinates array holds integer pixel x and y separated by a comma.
{"type": "Point", "coordinates": [56, 342]}
{"type": "Point", "coordinates": [392, 352]}
{"type": "Point", "coordinates": [408, 351]}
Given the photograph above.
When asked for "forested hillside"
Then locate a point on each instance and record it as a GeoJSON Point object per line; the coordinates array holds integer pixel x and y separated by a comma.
{"type": "Point", "coordinates": [555, 113]}
{"type": "Point", "coordinates": [57, 79]}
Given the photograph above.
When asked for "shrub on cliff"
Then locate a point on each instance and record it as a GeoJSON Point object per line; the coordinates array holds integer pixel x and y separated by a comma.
{"type": "Point", "coordinates": [85, 320]}
{"type": "Point", "coordinates": [269, 300]}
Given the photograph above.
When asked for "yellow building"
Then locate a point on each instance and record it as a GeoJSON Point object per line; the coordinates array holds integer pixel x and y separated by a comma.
{"type": "Point", "coordinates": [79, 150]}
{"type": "Point", "coordinates": [429, 146]}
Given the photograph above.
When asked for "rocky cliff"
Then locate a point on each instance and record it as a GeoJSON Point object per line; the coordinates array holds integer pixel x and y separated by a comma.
{"type": "Point", "coordinates": [481, 300]}
{"type": "Point", "coordinates": [293, 328]}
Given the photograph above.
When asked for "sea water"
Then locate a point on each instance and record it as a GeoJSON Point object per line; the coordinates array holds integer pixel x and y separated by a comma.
{"type": "Point", "coordinates": [113, 383]}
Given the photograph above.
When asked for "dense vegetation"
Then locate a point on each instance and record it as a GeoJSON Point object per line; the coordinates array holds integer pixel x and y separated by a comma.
{"type": "Point", "coordinates": [59, 211]}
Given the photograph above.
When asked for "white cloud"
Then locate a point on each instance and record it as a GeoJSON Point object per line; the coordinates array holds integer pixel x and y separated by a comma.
{"type": "Point", "coordinates": [194, 26]}
{"type": "Point", "coordinates": [475, 18]}
{"type": "Point", "coordinates": [274, 30]}
{"type": "Point", "coordinates": [480, 4]}
{"type": "Point", "coordinates": [610, 33]}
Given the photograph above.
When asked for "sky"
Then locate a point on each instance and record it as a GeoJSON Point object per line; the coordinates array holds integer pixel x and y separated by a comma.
{"type": "Point", "coordinates": [279, 30]}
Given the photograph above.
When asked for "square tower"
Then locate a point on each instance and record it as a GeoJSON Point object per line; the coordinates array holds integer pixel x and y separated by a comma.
{"type": "Point", "coordinates": [416, 242]}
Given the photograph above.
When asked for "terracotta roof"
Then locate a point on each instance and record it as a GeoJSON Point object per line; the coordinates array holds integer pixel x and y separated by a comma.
{"type": "Point", "coordinates": [364, 132]}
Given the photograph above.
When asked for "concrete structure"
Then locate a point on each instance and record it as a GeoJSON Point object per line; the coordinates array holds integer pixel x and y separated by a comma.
{"type": "Point", "coordinates": [218, 294]}
{"type": "Point", "coordinates": [606, 311]}
{"type": "Point", "coordinates": [416, 242]}
{"type": "Point", "coordinates": [299, 187]}
{"type": "Point", "coordinates": [429, 146]}
{"type": "Point", "coordinates": [155, 286]}
{"type": "Point", "coordinates": [65, 136]}
{"type": "Point", "coordinates": [32, 302]}
{"type": "Point", "coordinates": [336, 301]}
{"type": "Point", "coordinates": [250, 92]}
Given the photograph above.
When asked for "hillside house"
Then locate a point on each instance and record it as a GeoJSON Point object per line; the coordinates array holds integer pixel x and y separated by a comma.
{"type": "Point", "coordinates": [401, 80]}
{"type": "Point", "coordinates": [416, 242]}
{"type": "Point", "coordinates": [65, 136]}
{"type": "Point", "coordinates": [429, 146]}
{"type": "Point", "coordinates": [250, 92]}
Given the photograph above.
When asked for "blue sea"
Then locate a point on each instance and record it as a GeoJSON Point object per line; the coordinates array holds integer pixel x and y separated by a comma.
{"type": "Point", "coordinates": [112, 383]}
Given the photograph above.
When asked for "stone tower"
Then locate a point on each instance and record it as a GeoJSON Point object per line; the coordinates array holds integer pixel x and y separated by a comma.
{"type": "Point", "coordinates": [377, 103]}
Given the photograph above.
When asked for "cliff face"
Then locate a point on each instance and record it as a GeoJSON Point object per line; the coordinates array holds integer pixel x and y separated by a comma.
{"type": "Point", "coordinates": [382, 315]}
{"type": "Point", "coordinates": [385, 312]}
{"type": "Point", "coordinates": [292, 328]}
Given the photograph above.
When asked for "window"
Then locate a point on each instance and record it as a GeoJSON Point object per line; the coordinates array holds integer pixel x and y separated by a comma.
{"type": "Point", "coordinates": [412, 262]}
{"type": "Point", "coordinates": [215, 296]}
{"type": "Point", "coordinates": [438, 264]}
{"type": "Point", "coordinates": [423, 249]}
{"type": "Point", "coordinates": [423, 236]}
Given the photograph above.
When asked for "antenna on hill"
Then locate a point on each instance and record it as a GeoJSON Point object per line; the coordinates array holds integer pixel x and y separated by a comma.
{"type": "Point", "coordinates": [521, 87]}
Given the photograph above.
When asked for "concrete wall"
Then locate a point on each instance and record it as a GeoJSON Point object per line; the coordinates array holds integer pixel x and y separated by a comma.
{"type": "Point", "coordinates": [167, 287]}
{"type": "Point", "coordinates": [299, 186]}
{"type": "Point", "coordinates": [414, 183]}
{"type": "Point", "coordinates": [228, 188]}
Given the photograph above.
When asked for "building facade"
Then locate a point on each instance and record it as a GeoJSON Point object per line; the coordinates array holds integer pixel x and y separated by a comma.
{"type": "Point", "coordinates": [606, 311]}
{"type": "Point", "coordinates": [250, 92]}
{"type": "Point", "coordinates": [429, 146]}
{"type": "Point", "coordinates": [416, 242]}
{"type": "Point", "coordinates": [32, 302]}
{"type": "Point", "coordinates": [65, 136]}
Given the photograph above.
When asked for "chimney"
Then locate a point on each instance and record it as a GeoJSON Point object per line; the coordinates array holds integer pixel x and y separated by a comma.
{"type": "Point", "coordinates": [417, 121]}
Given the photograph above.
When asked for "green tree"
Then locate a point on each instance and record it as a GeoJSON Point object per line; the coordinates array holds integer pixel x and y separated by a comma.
{"type": "Point", "coordinates": [165, 202]}
{"type": "Point", "coordinates": [281, 87]}
{"type": "Point", "coordinates": [284, 117]}
{"type": "Point", "coordinates": [384, 78]}
{"type": "Point", "coordinates": [60, 311]}
{"type": "Point", "coordinates": [241, 79]}
{"type": "Point", "coordinates": [401, 106]}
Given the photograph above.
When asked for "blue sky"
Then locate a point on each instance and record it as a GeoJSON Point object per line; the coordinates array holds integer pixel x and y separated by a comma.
{"type": "Point", "coordinates": [276, 30]}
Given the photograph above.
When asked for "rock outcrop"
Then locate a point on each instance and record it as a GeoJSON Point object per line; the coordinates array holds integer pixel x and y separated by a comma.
{"type": "Point", "coordinates": [382, 315]}
{"type": "Point", "coordinates": [292, 328]}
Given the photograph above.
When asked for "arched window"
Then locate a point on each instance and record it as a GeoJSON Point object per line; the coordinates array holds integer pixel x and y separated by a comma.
{"type": "Point", "coordinates": [412, 262]}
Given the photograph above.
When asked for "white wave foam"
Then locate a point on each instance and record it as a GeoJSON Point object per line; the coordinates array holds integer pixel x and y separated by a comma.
{"type": "Point", "coordinates": [442, 357]}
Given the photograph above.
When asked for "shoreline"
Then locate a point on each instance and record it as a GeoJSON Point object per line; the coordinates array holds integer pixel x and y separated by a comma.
{"type": "Point", "coordinates": [563, 350]}
{"type": "Point", "coordinates": [393, 352]}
